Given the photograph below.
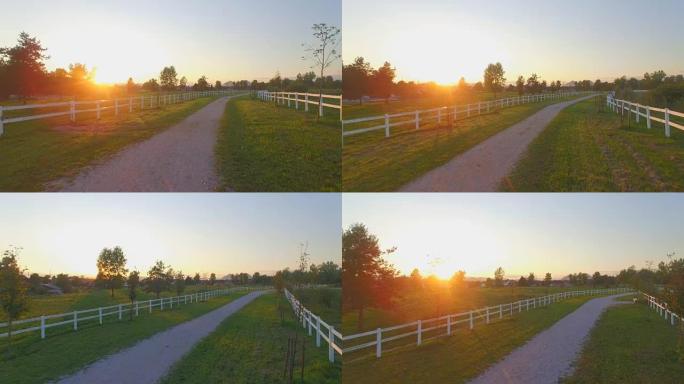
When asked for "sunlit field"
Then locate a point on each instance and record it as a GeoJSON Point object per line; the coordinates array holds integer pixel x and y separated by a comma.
{"type": "Point", "coordinates": [34, 360]}
{"type": "Point", "coordinates": [589, 148]}
{"type": "Point", "coordinates": [372, 162]}
{"type": "Point", "coordinates": [265, 147]}
{"type": "Point", "coordinates": [250, 347]}
{"type": "Point", "coordinates": [630, 344]}
{"type": "Point", "coordinates": [458, 358]}
{"type": "Point", "coordinates": [38, 152]}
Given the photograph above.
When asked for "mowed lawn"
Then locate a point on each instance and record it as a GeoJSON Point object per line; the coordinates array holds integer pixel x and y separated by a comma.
{"type": "Point", "coordinates": [38, 152]}
{"type": "Point", "coordinates": [65, 351]}
{"type": "Point", "coordinates": [264, 147]}
{"type": "Point", "coordinates": [585, 149]}
{"type": "Point", "coordinates": [371, 162]}
{"type": "Point", "coordinates": [251, 346]}
{"type": "Point", "coordinates": [630, 344]}
{"type": "Point", "coordinates": [460, 357]}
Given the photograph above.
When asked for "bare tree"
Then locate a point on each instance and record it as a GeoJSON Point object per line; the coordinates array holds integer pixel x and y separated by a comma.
{"type": "Point", "coordinates": [323, 53]}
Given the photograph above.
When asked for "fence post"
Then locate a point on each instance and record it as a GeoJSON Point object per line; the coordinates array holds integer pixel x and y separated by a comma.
{"type": "Point", "coordinates": [667, 122]}
{"type": "Point", "coordinates": [75, 320]}
{"type": "Point", "coordinates": [378, 343]}
{"type": "Point", "coordinates": [331, 340]}
{"type": "Point", "coordinates": [500, 311]}
{"type": "Point", "coordinates": [142, 102]}
{"type": "Point", "coordinates": [318, 331]}
{"type": "Point", "coordinates": [99, 315]}
{"type": "Point", "coordinates": [420, 331]}
{"type": "Point", "coordinates": [120, 312]}
{"type": "Point", "coordinates": [448, 325]}
{"type": "Point", "coordinates": [136, 309]}
{"type": "Point", "coordinates": [417, 120]}
{"type": "Point", "coordinates": [2, 129]}
{"type": "Point", "coordinates": [638, 113]}
{"type": "Point", "coordinates": [42, 327]}
{"type": "Point", "coordinates": [487, 315]}
{"type": "Point", "coordinates": [439, 116]}
{"type": "Point", "coordinates": [306, 102]}
{"type": "Point", "coordinates": [310, 323]}
{"type": "Point", "coordinates": [387, 126]}
{"type": "Point", "coordinates": [320, 106]}
{"type": "Point", "coordinates": [116, 107]}
{"type": "Point", "coordinates": [471, 320]}
{"type": "Point", "coordinates": [73, 111]}
{"type": "Point", "coordinates": [648, 117]}
{"type": "Point", "coordinates": [161, 303]}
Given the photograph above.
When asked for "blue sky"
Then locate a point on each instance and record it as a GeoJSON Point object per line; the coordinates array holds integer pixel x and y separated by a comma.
{"type": "Point", "coordinates": [558, 39]}
{"type": "Point", "coordinates": [220, 233]}
{"type": "Point", "coordinates": [557, 233]}
{"type": "Point", "coordinates": [224, 40]}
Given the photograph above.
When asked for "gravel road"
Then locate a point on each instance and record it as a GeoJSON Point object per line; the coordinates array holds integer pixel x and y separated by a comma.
{"type": "Point", "coordinates": [179, 159]}
{"type": "Point", "coordinates": [483, 167]}
{"type": "Point", "coordinates": [549, 355]}
{"type": "Point", "coordinates": [149, 360]}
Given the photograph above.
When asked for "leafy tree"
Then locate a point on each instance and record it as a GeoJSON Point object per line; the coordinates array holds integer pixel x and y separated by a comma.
{"type": "Point", "coordinates": [159, 277]}
{"type": "Point", "coordinates": [111, 267]}
{"type": "Point", "coordinates": [522, 282]}
{"type": "Point", "coordinates": [383, 80]}
{"type": "Point", "coordinates": [494, 79]}
{"type": "Point", "coordinates": [183, 84]}
{"type": "Point", "coordinates": [462, 85]}
{"type": "Point", "coordinates": [279, 281]}
{"type": "Point", "coordinates": [326, 49]}
{"type": "Point", "coordinates": [23, 68]}
{"type": "Point", "coordinates": [151, 85]}
{"type": "Point", "coordinates": [329, 273]}
{"type": "Point", "coordinates": [212, 279]}
{"type": "Point", "coordinates": [179, 283]}
{"type": "Point", "coordinates": [13, 296]}
{"type": "Point", "coordinates": [35, 283]}
{"type": "Point", "coordinates": [202, 84]}
{"type": "Point", "coordinates": [196, 279]}
{"type": "Point", "coordinates": [63, 281]}
{"type": "Point", "coordinates": [478, 87]}
{"type": "Point", "coordinates": [133, 282]}
{"type": "Point", "coordinates": [356, 77]}
{"type": "Point", "coordinates": [520, 85]}
{"type": "Point", "coordinates": [130, 86]}
{"type": "Point", "coordinates": [531, 279]}
{"type": "Point", "coordinates": [457, 283]}
{"type": "Point", "coordinates": [168, 78]}
{"type": "Point", "coordinates": [547, 279]}
{"type": "Point", "coordinates": [363, 270]}
{"type": "Point", "coordinates": [499, 277]}
{"type": "Point", "coordinates": [533, 85]}
{"type": "Point", "coordinates": [218, 85]}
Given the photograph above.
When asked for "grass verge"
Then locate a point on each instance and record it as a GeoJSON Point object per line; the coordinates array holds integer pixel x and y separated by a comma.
{"type": "Point", "coordinates": [263, 147]}
{"type": "Point", "coordinates": [371, 162]}
{"type": "Point", "coordinates": [630, 344]}
{"type": "Point", "coordinates": [37, 152]}
{"type": "Point", "coordinates": [460, 357]}
{"type": "Point", "coordinates": [64, 351]}
{"type": "Point", "coordinates": [250, 347]}
{"type": "Point", "coordinates": [586, 149]}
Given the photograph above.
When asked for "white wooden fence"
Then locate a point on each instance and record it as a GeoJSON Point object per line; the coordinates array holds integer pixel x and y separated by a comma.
{"type": "Point", "coordinates": [314, 323]}
{"type": "Point", "coordinates": [647, 112]}
{"type": "Point", "coordinates": [294, 99]}
{"type": "Point", "coordinates": [663, 310]}
{"type": "Point", "coordinates": [443, 114]}
{"type": "Point", "coordinates": [76, 318]}
{"type": "Point", "coordinates": [117, 105]}
{"type": "Point", "coordinates": [448, 323]}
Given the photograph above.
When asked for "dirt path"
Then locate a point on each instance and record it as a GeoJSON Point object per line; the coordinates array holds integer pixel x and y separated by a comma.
{"type": "Point", "coordinates": [483, 167]}
{"type": "Point", "coordinates": [179, 159]}
{"type": "Point", "coordinates": [549, 355]}
{"type": "Point", "coordinates": [149, 360]}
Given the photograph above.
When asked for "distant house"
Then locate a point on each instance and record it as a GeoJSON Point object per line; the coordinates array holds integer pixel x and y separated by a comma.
{"type": "Point", "coordinates": [52, 289]}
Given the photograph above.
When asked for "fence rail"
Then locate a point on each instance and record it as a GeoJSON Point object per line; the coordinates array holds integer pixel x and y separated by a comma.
{"type": "Point", "coordinates": [74, 318]}
{"type": "Point", "coordinates": [441, 114]}
{"type": "Point", "coordinates": [448, 323]}
{"type": "Point", "coordinates": [117, 105]}
{"type": "Point", "coordinates": [314, 323]}
{"type": "Point", "coordinates": [645, 111]}
{"type": "Point", "coordinates": [663, 310]}
{"type": "Point", "coordinates": [294, 99]}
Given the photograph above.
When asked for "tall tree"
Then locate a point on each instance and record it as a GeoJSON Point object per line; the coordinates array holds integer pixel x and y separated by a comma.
{"type": "Point", "coordinates": [179, 283]}
{"type": "Point", "coordinates": [13, 295]}
{"type": "Point", "coordinates": [356, 79]}
{"type": "Point", "coordinates": [130, 86]}
{"type": "Point", "coordinates": [212, 279]}
{"type": "Point", "coordinates": [159, 277]}
{"type": "Point", "coordinates": [383, 80]}
{"type": "Point", "coordinates": [520, 85]}
{"type": "Point", "coordinates": [168, 78]}
{"type": "Point", "coordinates": [547, 279]}
{"type": "Point", "coordinates": [133, 282]}
{"type": "Point", "coordinates": [325, 51]}
{"type": "Point", "coordinates": [24, 69]}
{"type": "Point", "coordinates": [111, 267]}
{"type": "Point", "coordinates": [363, 268]}
{"type": "Point", "coordinates": [499, 277]}
{"type": "Point", "coordinates": [183, 84]}
{"type": "Point", "coordinates": [494, 79]}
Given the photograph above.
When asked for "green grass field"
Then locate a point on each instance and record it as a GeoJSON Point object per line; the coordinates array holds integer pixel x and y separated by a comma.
{"type": "Point", "coordinates": [65, 351]}
{"type": "Point", "coordinates": [264, 147]}
{"type": "Point", "coordinates": [371, 162]}
{"type": "Point", "coordinates": [630, 344]}
{"type": "Point", "coordinates": [250, 347]}
{"type": "Point", "coordinates": [587, 150]}
{"type": "Point", "coordinates": [37, 152]}
{"type": "Point", "coordinates": [457, 358]}
{"type": "Point", "coordinates": [324, 302]}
